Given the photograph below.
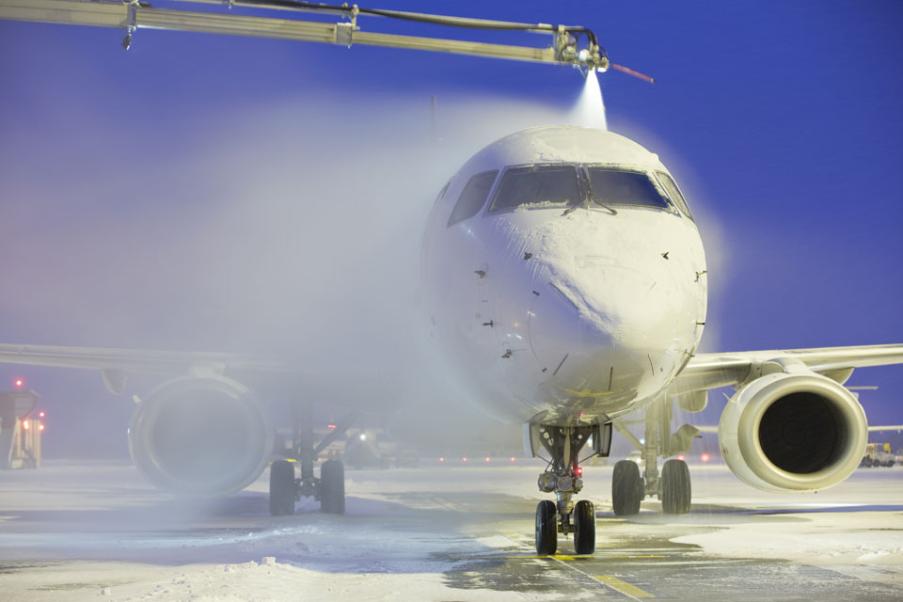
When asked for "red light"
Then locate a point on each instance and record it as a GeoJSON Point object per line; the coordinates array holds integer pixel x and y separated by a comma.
{"type": "Point", "coordinates": [19, 383]}
{"type": "Point", "coordinates": [487, 459]}
{"type": "Point", "coordinates": [681, 457]}
{"type": "Point", "coordinates": [579, 471]}
{"type": "Point", "coordinates": [330, 426]}
{"type": "Point", "coordinates": [705, 457]}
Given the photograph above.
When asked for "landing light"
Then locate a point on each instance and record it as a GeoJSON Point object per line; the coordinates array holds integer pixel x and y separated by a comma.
{"type": "Point", "coordinates": [19, 382]}
{"type": "Point", "coordinates": [41, 414]}
{"type": "Point", "coordinates": [513, 459]}
{"type": "Point", "coordinates": [26, 424]}
{"type": "Point", "coordinates": [705, 457]}
{"type": "Point", "coordinates": [487, 459]}
{"type": "Point", "coordinates": [442, 460]}
{"type": "Point", "coordinates": [464, 459]}
{"type": "Point", "coordinates": [40, 427]}
{"type": "Point", "coordinates": [362, 436]}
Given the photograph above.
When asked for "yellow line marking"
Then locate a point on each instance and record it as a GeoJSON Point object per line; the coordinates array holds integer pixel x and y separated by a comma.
{"type": "Point", "coordinates": [620, 586]}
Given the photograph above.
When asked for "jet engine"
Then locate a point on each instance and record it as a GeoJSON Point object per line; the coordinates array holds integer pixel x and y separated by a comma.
{"type": "Point", "coordinates": [793, 431]}
{"type": "Point", "coordinates": [201, 435]}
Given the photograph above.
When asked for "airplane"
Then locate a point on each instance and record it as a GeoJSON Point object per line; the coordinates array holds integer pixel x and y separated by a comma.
{"type": "Point", "coordinates": [567, 285]}
{"type": "Point", "coordinates": [566, 282]}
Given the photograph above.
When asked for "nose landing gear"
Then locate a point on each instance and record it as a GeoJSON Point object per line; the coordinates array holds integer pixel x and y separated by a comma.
{"type": "Point", "coordinates": [564, 478]}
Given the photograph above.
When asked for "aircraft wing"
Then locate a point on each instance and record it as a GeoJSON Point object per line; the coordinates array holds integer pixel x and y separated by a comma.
{"type": "Point", "coordinates": [712, 370]}
{"type": "Point", "coordinates": [112, 360]}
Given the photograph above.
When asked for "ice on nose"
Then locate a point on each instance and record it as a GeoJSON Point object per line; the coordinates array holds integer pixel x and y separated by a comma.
{"type": "Point", "coordinates": [617, 283]}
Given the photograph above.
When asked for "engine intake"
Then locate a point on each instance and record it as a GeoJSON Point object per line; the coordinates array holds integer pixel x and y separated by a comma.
{"type": "Point", "coordinates": [798, 432]}
{"type": "Point", "coordinates": [207, 436]}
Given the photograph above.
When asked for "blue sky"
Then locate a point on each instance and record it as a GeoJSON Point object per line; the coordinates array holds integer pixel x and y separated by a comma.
{"type": "Point", "coordinates": [781, 121]}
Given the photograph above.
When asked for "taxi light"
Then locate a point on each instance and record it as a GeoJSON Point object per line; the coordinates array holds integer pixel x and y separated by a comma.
{"type": "Point", "coordinates": [19, 382]}
{"type": "Point", "coordinates": [513, 459]}
{"type": "Point", "coordinates": [705, 457]}
{"type": "Point", "coordinates": [41, 414]}
{"type": "Point", "coordinates": [26, 424]}
{"type": "Point", "coordinates": [487, 459]}
{"type": "Point", "coordinates": [40, 427]}
{"type": "Point", "coordinates": [464, 459]}
{"type": "Point", "coordinates": [442, 459]}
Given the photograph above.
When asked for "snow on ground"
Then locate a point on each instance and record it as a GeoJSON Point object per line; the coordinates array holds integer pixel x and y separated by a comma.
{"type": "Point", "coordinates": [97, 531]}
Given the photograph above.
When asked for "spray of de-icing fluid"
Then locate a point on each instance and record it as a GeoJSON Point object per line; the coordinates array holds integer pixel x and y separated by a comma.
{"type": "Point", "coordinates": [590, 109]}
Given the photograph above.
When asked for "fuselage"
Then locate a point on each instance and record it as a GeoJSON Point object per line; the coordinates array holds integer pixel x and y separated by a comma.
{"type": "Point", "coordinates": [566, 278]}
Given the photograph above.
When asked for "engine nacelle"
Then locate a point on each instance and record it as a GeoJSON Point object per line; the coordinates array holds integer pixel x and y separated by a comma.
{"type": "Point", "coordinates": [793, 432]}
{"type": "Point", "coordinates": [206, 436]}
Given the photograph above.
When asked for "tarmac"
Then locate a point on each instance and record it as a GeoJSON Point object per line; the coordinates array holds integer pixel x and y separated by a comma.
{"type": "Point", "coordinates": [89, 530]}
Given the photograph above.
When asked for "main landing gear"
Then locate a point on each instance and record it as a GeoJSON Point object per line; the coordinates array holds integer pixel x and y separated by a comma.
{"type": "Point", "coordinates": [285, 489]}
{"type": "Point", "coordinates": [564, 478]}
{"type": "Point", "coordinates": [329, 488]}
{"type": "Point", "coordinates": [671, 485]}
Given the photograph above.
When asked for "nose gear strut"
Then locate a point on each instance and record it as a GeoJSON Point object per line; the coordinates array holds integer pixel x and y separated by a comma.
{"type": "Point", "coordinates": [564, 477]}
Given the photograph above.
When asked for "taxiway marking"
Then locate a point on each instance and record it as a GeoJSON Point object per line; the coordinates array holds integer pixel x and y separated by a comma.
{"type": "Point", "coordinates": [623, 592]}
{"type": "Point", "coordinates": [621, 586]}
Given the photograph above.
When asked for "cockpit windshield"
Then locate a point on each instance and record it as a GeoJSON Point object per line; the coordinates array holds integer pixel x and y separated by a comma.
{"type": "Point", "coordinates": [536, 187]}
{"type": "Point", "coordinates": [616, 187]}
{"type": "Point", "coordinates": [674, 192]}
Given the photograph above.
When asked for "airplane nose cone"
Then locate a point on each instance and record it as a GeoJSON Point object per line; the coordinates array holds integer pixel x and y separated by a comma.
{"type": "Point", "coordinates": [596, 334]}
{"type": "Point", "coordinates": [609, 322]}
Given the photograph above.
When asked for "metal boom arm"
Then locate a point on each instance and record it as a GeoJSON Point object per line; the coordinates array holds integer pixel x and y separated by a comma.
{"type": "Point", "coordinates": [131, 15]}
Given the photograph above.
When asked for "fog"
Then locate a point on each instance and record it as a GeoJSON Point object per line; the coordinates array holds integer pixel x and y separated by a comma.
{"type": "Point", "coordinates": [287, 229]}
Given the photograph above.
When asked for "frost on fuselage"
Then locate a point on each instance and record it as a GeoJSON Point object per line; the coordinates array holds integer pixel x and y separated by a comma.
{"type": "Point", "coordinates": [560, 264]}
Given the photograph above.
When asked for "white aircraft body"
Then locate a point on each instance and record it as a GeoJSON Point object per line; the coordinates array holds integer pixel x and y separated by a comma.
{"type": "Point", "coordinates": [579, 291]}
{"type": "Point", "coordinates": [567, 283]}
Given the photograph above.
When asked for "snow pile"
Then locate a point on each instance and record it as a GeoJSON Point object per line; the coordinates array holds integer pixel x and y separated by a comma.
{"type": "Point", "coordinates": [813, 538]}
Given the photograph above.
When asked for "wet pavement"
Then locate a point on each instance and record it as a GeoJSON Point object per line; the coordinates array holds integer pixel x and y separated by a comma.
{"type": "Point", "coordinates": [70, 531]}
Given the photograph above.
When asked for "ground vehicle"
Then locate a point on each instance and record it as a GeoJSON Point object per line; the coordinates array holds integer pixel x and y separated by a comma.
{"type": "Point", "coordinates": [878, 454]}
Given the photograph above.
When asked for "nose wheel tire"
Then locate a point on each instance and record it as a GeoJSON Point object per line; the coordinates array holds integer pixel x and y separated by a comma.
{"type": "Point", "coordinates": [676, 492]}
{"type": "Point", "coordinates": [627, 489]}
{"type": "Point", "coordinates": [332, 487]}
{"type": "Point", "coordinates": [584, 527]}
{"type": "Point", "coordinates": [282, 488]}
{"type": "Point", "coordinates": [546, 528]}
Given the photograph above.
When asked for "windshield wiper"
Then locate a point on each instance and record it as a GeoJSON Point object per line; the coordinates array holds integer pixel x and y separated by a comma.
{"type": "Point", "coordinates": [586, 205]}
{"type": "Point", "coordinates": [571, 209]}
{"type": "Point", "coordinates": [608, 208]}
